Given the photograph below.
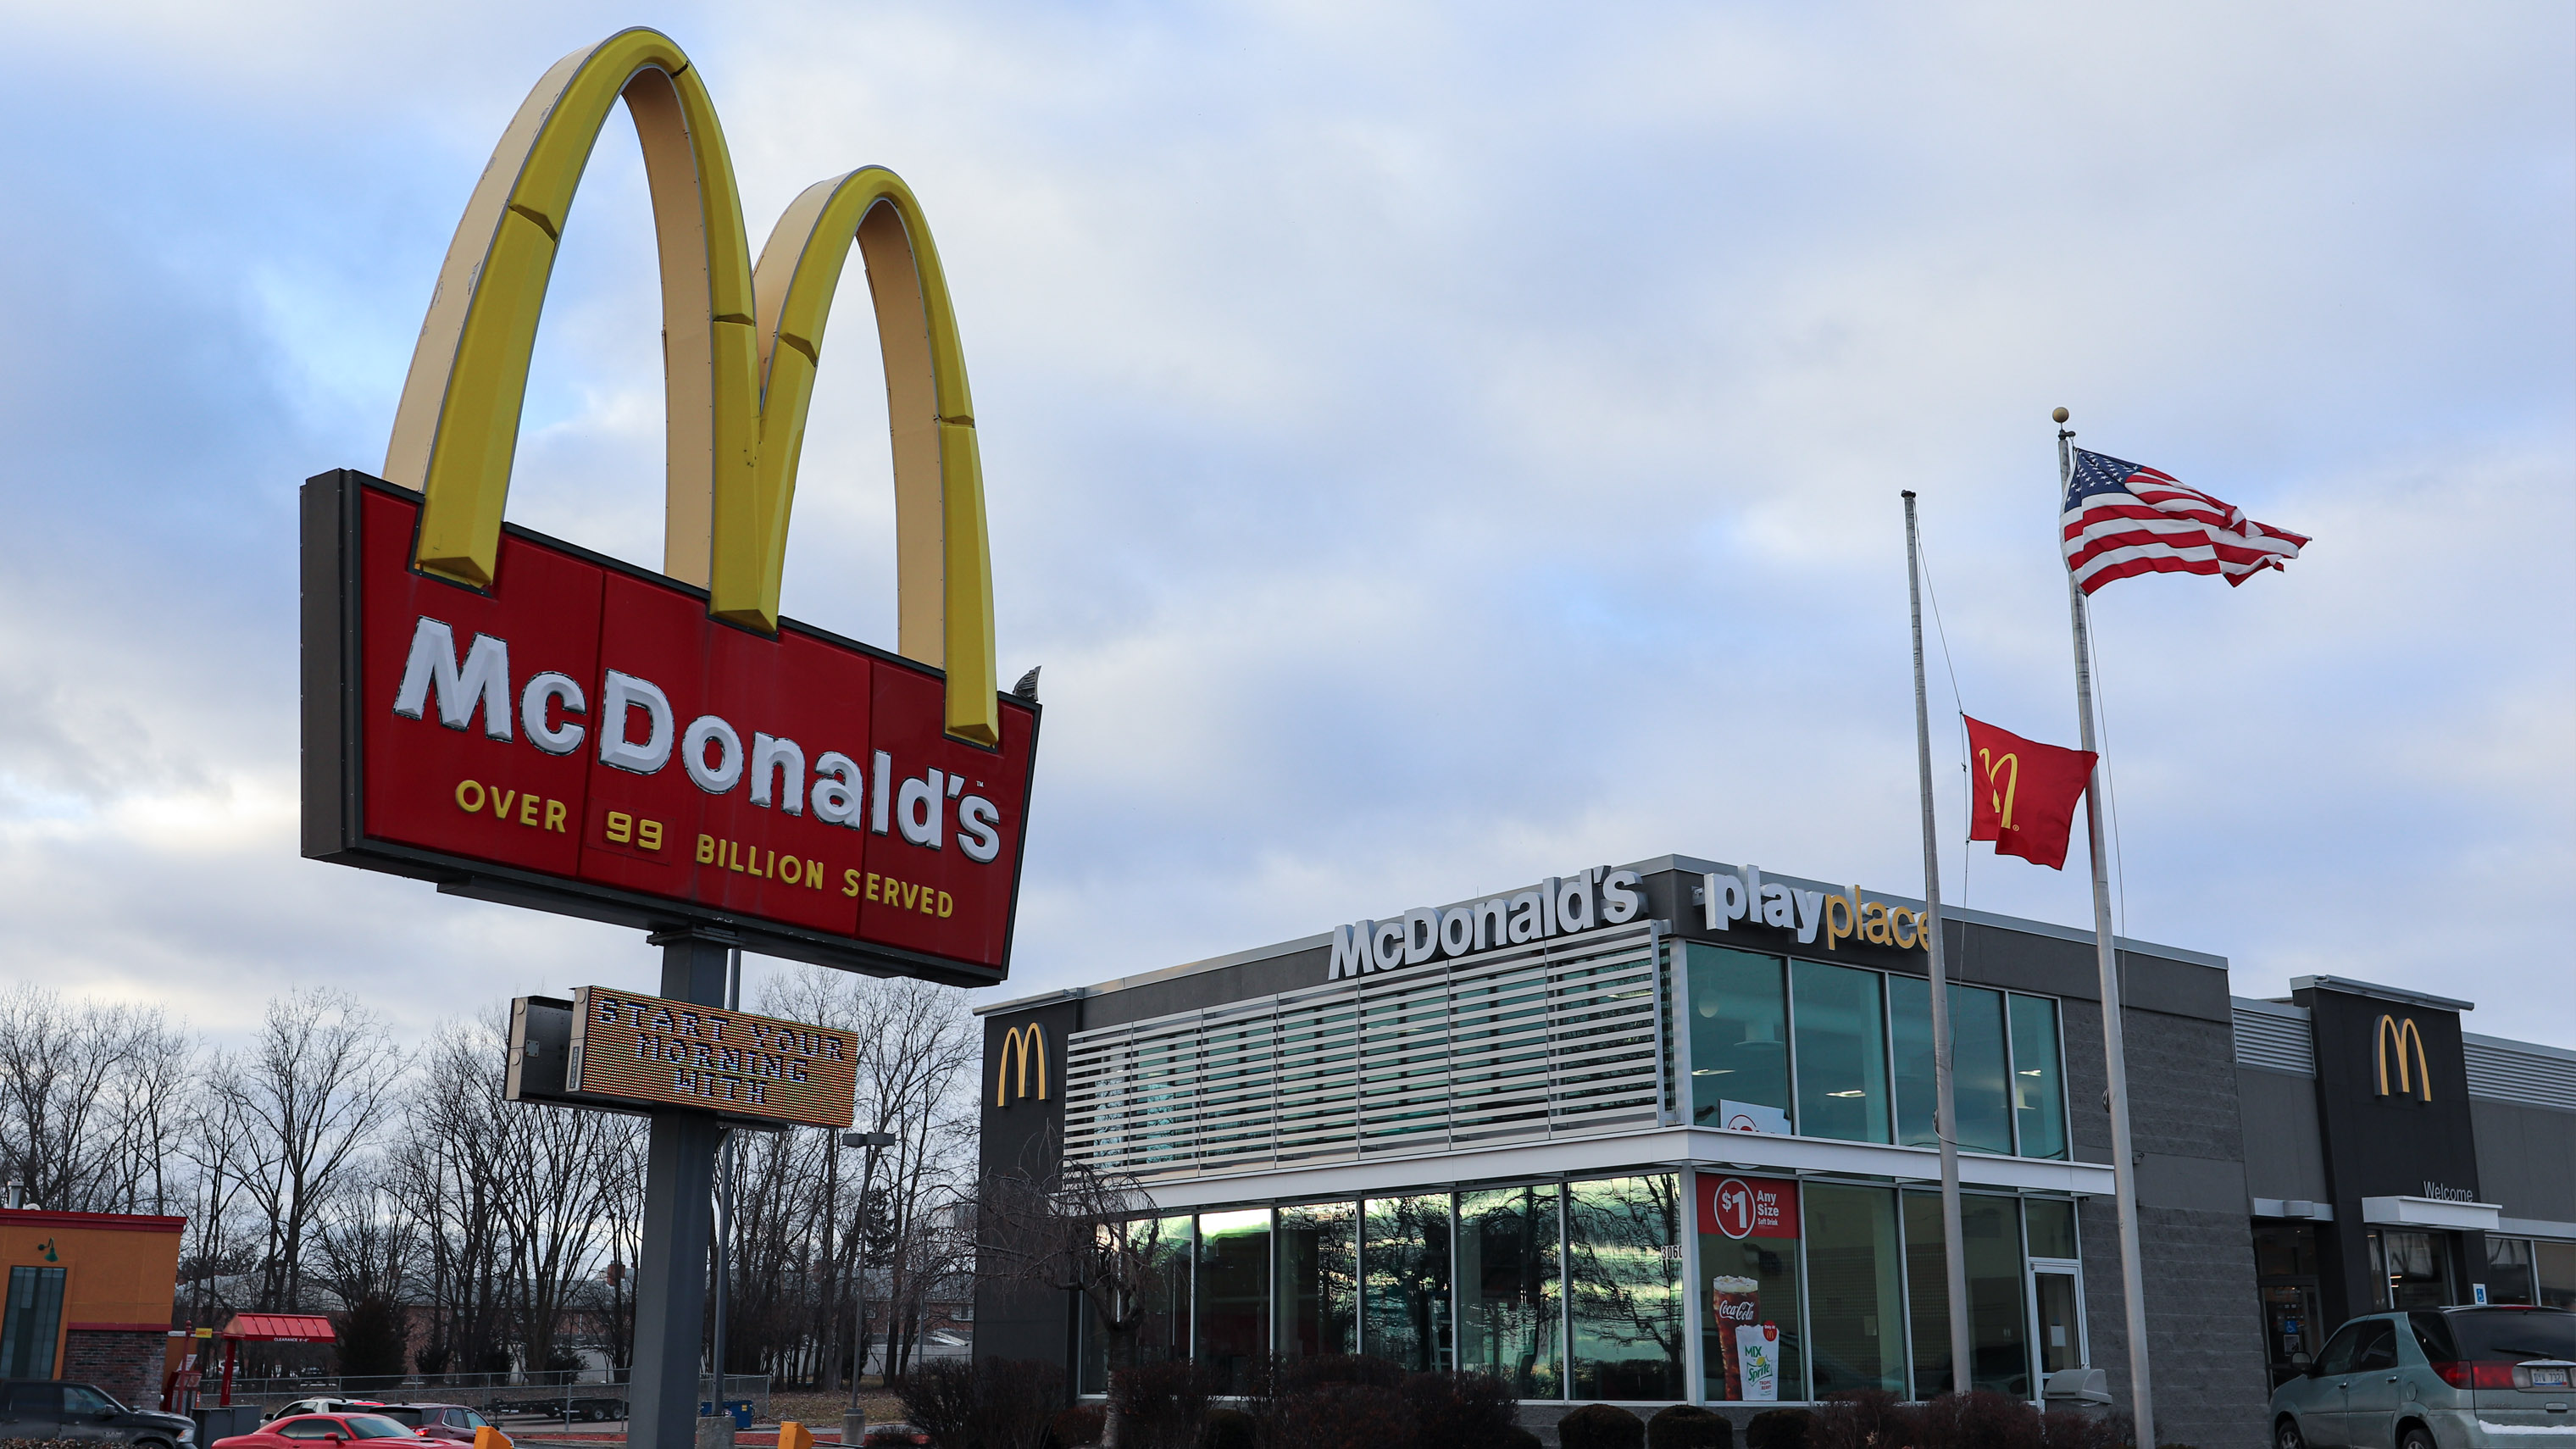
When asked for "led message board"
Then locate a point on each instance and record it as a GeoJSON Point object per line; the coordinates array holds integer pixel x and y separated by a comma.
{"type": "Point", "coordinates": [644, 1049]}
{"type": "Point", "coordinates": [520, 720]}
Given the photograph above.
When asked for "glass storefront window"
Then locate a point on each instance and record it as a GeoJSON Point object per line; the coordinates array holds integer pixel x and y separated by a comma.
{"type": "Point", "coordinates": [1979, 1070]}
{"type": "Point", "coordinates": [2509, 1271]}
{"type": "Point", "coordinates": [2050, 1223]}
{"type": "Point", "coordinates": [2413, 1268]}
{"type": "Point", "coordinates": [1511, 1288]}
{"type": "Point", "coordinates": [1624, 1271]}
{"type": "Point", "coordinates": [2554, 1264]}
{"type": "Point", "coordinates": [30, 1321]}
{"type": "Point", "coordinates": [1404, 1280]}
{"type": "Point", "coordinates": [1998, 1343]}
{"type": "Point", "coordinates": [1855, 1300]}
{"type": "Point", "coordinates": [1752, 1347]}
{"type": "Point", "coordinates": [1318, 1246]}
{"type": "Point", "coordinates": [1159, 1331]}
{"type": "Point", "coordinates": [1739, 1039]}
{"type": "Point", "coordinates": [1840, 1028]}
{"type": "Point", "coordinates": [2039, 1078]}
{"type": "Point", "coordinates": [1234, 1295]}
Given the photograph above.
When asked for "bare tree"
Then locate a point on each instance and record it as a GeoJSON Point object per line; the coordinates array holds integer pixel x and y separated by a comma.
{"type": "Point", "coordinates": [1051, 1224]}
{"type": "Point", "coordinates": [310, 1092]}
{"type": "Point", "coordinates": [87, 1102]}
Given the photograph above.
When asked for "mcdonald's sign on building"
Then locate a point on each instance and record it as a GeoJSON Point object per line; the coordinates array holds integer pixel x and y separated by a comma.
{"type": "Point", "coordinates": [519, 719]}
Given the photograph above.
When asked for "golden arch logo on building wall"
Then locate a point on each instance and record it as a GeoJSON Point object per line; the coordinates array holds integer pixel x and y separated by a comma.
{"type": "Point", "coordinates": [2394, 1037]}
{"type": "Point", "coordinates": [1025, 1047]}
{"type": "Point", "coordinates": [741, 344]}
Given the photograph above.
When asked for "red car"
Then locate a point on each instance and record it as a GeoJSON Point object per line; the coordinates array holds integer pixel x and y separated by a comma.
{"type": "Point", "coordinates": [315, 1431]}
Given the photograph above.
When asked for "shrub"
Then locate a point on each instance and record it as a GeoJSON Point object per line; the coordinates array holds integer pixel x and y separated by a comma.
{"type": "Point", "coordinates": [1161, 1405]}
{"type": "Point", "coordinates": [1230, 1429]}
{"type": "Point", "coordinates": [1342, 1416]}
{"type": "Point", "coordinates": [1460, 1411]}
{"type": "Point", "coordinates": [1978, 1420]}
{"type": "Point", "coordinates": [1688, 1426]}
{"type": "Point", "coordinates": [1787, 1429]}
{"type": "Point", "coordinates": [990, 1403]}
{"type": "Point", "coordinates": [2067, 1429]}
{"type": "Point", "coordinates": [1601, 1426]}
{"type": "Point", "coordinates": [1520, 1438]}
{"type": "Point", "coordinates": [1079, 1427]}
{"type": "Point", "coordinates": [1870, 1419]}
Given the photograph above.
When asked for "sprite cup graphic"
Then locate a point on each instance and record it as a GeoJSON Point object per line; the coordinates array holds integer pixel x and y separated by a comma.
{"type": "Point", "coordinates": [1735, 1303]}
{"type": "Point", "coordinates": [1757, 1362]}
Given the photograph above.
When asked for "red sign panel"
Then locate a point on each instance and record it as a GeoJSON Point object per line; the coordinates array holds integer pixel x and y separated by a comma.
{"type": "Point", "coordinates": [1748, 1207]}
{"type": "Point", "coordinates": [583, 738]}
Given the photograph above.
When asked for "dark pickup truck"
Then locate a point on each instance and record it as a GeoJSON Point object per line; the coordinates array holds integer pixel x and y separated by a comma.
{"type": "Point", "coordinates": [52, 1409]}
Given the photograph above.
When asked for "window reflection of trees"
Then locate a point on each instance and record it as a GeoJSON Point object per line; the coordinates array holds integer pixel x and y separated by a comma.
{"type": "Point", "coordinates": [1623, 1267]}
{"type": "Point", "coordinates": [1404, 1265]}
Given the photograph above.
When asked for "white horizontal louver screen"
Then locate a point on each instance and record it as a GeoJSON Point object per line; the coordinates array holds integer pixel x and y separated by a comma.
{"type": "Point", "coordinates": [2276, 1040]}
{"type": "Point", "coordinates": [1549, 1040]}
{"type": "Point", "coordinates": [2513, 1072]}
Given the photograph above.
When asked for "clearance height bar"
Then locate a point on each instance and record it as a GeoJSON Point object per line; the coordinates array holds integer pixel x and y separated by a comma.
{"type": "Point", "coordinates": [646, 1050]}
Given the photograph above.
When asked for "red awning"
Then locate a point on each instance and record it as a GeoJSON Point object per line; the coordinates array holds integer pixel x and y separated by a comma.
{"type": "Point", "coordinates": [280, 1328]}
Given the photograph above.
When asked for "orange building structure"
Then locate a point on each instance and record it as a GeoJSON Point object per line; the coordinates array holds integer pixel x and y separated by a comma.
{"type": "Point", "coordinates": [88, 1298]}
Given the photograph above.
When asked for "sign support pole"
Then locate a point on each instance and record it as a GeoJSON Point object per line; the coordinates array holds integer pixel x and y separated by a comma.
{"type": "Point", "coordinates": [1945, 1092]}
{"type": "Point", "coordinates": [671, 1271]}
{"type": "Point", "coordinates": [2124, 1177]}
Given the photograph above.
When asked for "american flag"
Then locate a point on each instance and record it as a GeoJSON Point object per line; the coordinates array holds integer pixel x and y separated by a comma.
{"type": "Point", "coordinates": [2123, 519]}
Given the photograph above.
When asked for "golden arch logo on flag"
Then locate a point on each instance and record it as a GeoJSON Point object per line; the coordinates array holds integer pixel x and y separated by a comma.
{"type": "Point", "coordinates": [2392, 1036]}
{"type": "Point", "coordinates": [1023, 1046]}
{"type": "Point", "coordinates": [521, 720]}
{"type": "Point", "coordinates": [2024, 793]}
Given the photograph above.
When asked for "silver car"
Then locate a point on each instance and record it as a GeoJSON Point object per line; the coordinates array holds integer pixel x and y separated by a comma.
{"type": "Point", "coordinates": [2445, 1378]}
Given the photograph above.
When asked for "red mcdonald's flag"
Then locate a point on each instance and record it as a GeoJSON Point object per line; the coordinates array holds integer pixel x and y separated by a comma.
{"type": "Point", "coordinates": [2025, 793]}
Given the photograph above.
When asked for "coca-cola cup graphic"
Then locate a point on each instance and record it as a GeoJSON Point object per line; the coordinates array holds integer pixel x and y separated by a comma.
{"type": "Point", "coordinates": [1736, 1302]}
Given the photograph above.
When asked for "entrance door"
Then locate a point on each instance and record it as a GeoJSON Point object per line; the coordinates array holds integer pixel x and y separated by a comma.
{"type": "Point", "coordinates": [2057, 1307]}
{"type": "Point", "coordinates": [2290, 1328]}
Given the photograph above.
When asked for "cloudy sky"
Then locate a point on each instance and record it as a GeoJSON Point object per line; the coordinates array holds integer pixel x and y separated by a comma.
{"type": "Point", "coordinates": [1427, 448]}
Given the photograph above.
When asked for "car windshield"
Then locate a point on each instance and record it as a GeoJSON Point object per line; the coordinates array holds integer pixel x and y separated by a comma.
{"type": "Point", "coordinates": [2514, 1333]}
{"type": "Point", "coordinates": [376, 1426]}
{"type": "Point", "coordinates": [82, 1399]}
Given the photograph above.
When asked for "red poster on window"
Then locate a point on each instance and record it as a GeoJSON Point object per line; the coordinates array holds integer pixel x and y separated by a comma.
{"type": "Point", "coordinates": [1748, 1207]}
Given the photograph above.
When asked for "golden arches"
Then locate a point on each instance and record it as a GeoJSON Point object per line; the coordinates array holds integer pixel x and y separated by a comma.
{"type": "Point", "coordinates": [736, 399]}
{"type": "Point", "coordinates": [2389, 1032]}
{"type": "Point", "coordinates": [1028, 1044]}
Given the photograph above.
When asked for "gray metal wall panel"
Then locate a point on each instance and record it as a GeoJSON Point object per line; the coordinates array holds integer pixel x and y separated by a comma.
{"type": "Point", "coordinates": [2285, 1153]}
{"type": "Point", "coordinates": [2526, 1159]}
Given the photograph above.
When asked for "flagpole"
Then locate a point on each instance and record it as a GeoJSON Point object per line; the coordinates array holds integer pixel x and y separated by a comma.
{"type": "Point", "coordinates": [1945, 1095]}
{"type": "Point", "coordinates": [2114, 1057]}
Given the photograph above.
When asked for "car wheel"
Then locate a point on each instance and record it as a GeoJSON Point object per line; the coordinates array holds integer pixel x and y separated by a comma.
{"type": "Point", "coordinates": [2416, 1437]}
{"type": "Point", "coordinates": [2287, 1436]}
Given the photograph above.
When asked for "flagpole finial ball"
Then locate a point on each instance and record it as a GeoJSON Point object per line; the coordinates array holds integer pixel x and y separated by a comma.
{"type": "Point", "coordinates": [2058, 416]}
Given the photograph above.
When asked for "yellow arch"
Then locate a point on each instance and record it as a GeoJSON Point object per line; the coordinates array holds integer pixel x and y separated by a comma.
{"type": "Point", "coordinates": [2412, 1077]}
{"type": "Point", "coordinates": [1027, 1043]}
{"type": "Point", "coordinates": [736, 400]}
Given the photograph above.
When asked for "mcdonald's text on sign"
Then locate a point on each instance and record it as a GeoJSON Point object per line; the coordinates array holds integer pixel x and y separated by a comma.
{"type": "Point", "coordinates": [673, 1054]}
{"type": "Point", "coordinates": [519, 720]}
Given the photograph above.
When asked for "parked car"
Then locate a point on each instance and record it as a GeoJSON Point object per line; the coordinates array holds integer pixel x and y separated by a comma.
{"type": "Point", "coordinates": [452, 1422]}
{"type": "Point", "coordinates": [2450, 1378]}
{"type": "Point", "coordinates": [314, 1431]}
{"type": "Point", "coordinates": [52, 1409]}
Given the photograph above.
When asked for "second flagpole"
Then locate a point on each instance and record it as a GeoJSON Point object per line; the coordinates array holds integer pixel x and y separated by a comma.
{"type": "Point", "coordinates": [2124, 1180]}
{"type": "Point", "coordinates": [1944, 1091]}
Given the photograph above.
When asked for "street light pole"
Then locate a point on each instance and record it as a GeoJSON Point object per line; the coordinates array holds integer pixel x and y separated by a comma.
{"type": "Point", "coordinates": [855, 1419]}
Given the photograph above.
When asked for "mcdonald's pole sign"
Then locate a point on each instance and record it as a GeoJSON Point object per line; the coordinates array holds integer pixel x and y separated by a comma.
{"type": "Point", "coordinates": [521, 720]}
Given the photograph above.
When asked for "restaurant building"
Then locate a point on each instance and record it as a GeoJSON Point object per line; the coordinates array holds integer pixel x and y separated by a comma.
{"type": "Point", "coordinates": [88, 1298]}
{"type": "Point", "coordinates": [1664, 1133]}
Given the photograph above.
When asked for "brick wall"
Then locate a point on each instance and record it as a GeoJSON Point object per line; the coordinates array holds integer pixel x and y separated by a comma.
{"type": "Point", "coordinates": [125, 1363]}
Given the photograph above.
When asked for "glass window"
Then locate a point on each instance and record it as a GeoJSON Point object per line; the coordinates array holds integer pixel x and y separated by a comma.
{"type": "Point", "coordinates": [35, 1400]}
{"type": "Point", "coordinates": [1842, 1052]}
{"type": "Point", "coordinates": [1511, 1289]}
{"type": "Point", "coordinates": [2051, 1225]}
{"type": "Point", "coordinates": [82, 1399]}
{"type": "Point", "coordinates": [1739, 1039]}
{"type": "Point", "coordinates": [2282, 1250]}
{"type": "Point", "coordinates": [2509, 1271]}
{"type": "Point", "coordinates": [1404, 1280]}
{"type": "Point", "coordinates": [1855, 1301]}
{"type": "Point", "coordinates": [308, 1428]}
{"type": "Point", "coordinates": [2039, 1078]}
{"type": "Point", "coordinates": [2413, 1268]}
{"type": "Point", "coordinates": [1996, 1338]}
{"type": "Point", "coordinates": [1158, 1329]}
{"type": "Point", "coordinates": [1753, 1349]}
{"type": "Point", "coordinates": [1234, 1295]}
{"type": "Point", "coordinates": [31, 1322]}
{"type": "Point", "coordinates": [1319, 1279]}
{"type": "Point", "coordinates": [1978, 1067]}
{"type": "Point", "coordinates": [1624, 1262]}
{"type": "Point", "coordinates": [2554, 1264]}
